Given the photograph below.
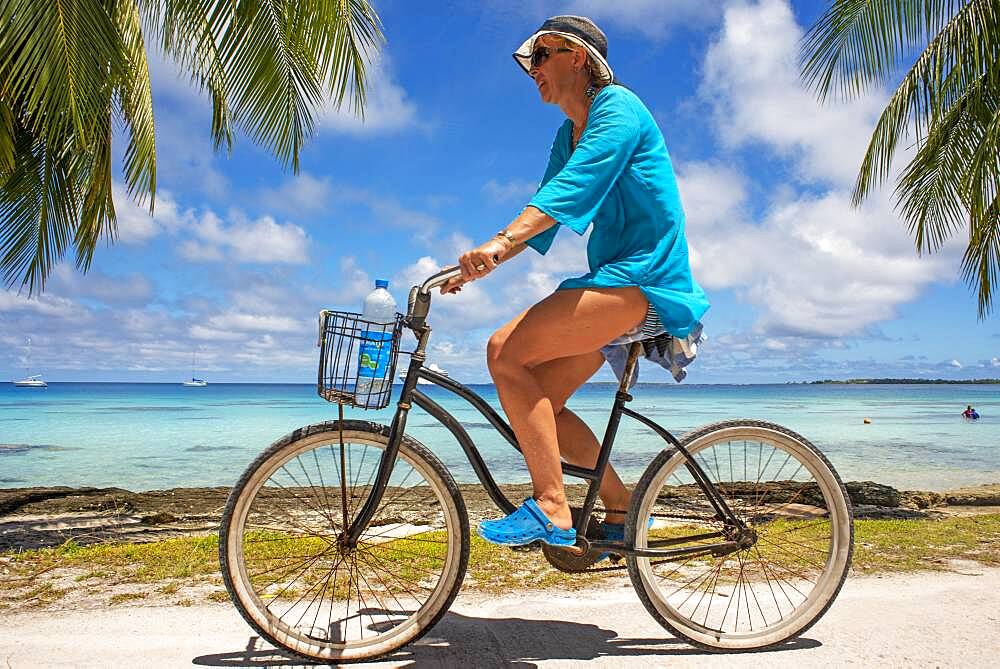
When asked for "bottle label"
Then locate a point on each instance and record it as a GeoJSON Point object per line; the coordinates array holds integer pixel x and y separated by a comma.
{"type": "Point", "coordinates": [376, 350]}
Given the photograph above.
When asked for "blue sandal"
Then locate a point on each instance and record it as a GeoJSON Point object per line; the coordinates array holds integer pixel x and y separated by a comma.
{"type": "Point", "coordinates": [615, 532]}
{"type": "Point", "coordinates": [526, 525]}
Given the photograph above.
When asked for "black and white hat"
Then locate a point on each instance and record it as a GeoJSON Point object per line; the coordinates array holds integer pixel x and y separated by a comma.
{"type": "Point", "coordinates": [577, 29]}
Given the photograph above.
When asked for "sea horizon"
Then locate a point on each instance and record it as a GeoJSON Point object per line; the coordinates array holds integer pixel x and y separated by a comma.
{"type": "Point", "coordinates": [156, 435]}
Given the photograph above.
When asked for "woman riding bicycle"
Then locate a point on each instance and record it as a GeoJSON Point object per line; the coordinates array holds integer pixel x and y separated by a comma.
{"type": "Point", "coordinates": [608, 166]}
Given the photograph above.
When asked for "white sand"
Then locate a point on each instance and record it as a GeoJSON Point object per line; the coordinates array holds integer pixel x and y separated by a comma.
{"type": "Point", "coordinates": [924, 620]}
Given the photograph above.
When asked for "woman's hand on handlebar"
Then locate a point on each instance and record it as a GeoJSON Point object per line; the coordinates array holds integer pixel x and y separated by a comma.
{"type": "Point", "coordinates": [452, 286]}
{"type": "Point", "coordinates": [480, 261]}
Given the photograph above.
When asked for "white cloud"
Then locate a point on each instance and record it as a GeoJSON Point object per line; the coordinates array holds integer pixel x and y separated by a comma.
{"type": "Point", "coordinates": [45, 304]}
{"type": "Point", "coordinates": [752, 82]}
{"type": "Point", "coordinates": [956, 364]}
{"type": "Point", "coordinates": [387, 106]}
{"type": "Point", "coordinates": [259, 241]}
{"type": "Point", "coordinates": [810, 263]}
{"type": "Point", "coordinates": [128, 289]}
{"type": "Point", "coordinates": [214, 334]}
{"type": "Point", "coordinates": [243, 322]}
{"type": "Point", "coordinates": [137, 226]}
{"type": "Point", "coordinates": [300, 195]}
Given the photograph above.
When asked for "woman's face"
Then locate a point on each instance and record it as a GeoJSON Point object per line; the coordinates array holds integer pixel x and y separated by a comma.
{"type": "Point", "coordinates": [556, 75]}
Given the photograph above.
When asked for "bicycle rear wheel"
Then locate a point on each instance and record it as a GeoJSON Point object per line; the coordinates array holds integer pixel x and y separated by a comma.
{"type": "Point", "coordinates": [797, 513]}
{"type": "Point", "coordinates": [296, 583]}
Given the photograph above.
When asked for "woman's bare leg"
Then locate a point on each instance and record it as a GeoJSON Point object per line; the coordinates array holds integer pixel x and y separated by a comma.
{"type": "Point", "coordinates": [565, 324]}
{"type": "Point", "coordinates": [577, 442]}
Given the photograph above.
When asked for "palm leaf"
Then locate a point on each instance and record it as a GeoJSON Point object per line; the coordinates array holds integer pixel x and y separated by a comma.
{"type": "Point", "coordinates": [274, 81]}
{"type": "Point", "coordinates": [859, 43]}
{"type": "Point", "coordinates": [930, 190]}
{"type": "Point", "coordinates": [343, 51]}
{"type": "Point", "coordinates": [136, 102]}
{"type": "Point", "coordinates": [189, 32]}
{"type": "Point", "coordinates": [7, 147]}
{"type": "Point", "coordinates": [67, 67]}
{"type": "Point", "coordinates": [982, 257]}
{"type": "Point", "coordinates": [953, 60]}
{"type": "Point", "coordinates": [38, 211]}
{"type": "Point", "coordinates": [55, 60]}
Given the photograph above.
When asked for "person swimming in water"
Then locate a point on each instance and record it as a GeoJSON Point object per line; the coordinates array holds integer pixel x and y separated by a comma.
{"type": "Point", "coordinates": [970, 413]}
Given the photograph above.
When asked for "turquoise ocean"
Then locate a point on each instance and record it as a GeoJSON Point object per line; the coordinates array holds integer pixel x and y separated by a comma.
{"type": "Point", "coordinates": [156, 436]}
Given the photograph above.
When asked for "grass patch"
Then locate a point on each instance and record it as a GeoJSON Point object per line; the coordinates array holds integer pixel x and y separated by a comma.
{"type": "Point", "coordinates": [915, 545]}
{"type": "Point", "coordinates": [127, 597]}
{"type": "Point", "coordinates": [33, 578]}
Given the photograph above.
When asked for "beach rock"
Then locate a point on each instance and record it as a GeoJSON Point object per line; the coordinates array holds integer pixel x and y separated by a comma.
{"type": "Point", "coordinates": [869, 493]}
{"type": "Point", "coordinates": [983, 495]}
{"type": "Point", "coordinates": [159, 518]}
{"type": "Point", "coordinates": [869, 512]}
{"type": "Point", "coordinates": [920, 499]}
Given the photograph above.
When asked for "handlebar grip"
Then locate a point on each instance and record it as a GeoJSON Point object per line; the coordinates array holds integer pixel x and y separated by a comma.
{"type": "Point", "coordinates": [418, 302]}
{"type": "Point", "coordinates": [445, 275]}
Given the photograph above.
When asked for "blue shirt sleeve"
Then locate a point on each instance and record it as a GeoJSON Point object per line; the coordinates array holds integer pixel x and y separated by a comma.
{"type": "Point", "coordinates": [573, 196]}
{"type": "Point", "coordinates": [557, 159]}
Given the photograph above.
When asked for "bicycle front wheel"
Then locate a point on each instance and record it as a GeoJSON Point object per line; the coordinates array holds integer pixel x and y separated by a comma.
{"type": "Point", "coordinates": [300, 587]}
{"type": "Point", "coordinates": [796, 545]}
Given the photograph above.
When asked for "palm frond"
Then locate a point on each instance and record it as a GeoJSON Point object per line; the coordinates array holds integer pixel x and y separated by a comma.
{"type": "Point", "coordinates": [55, 60]}
{"type": "Point", "coordinates": [92, 172]}
{"type": "Point", "coordinates": [931, 190]}
{"type": "Point", "coordinates": [981, 262]}
{"type": "Point", "coordinates": [966, 49]}
{"type": "Point", "coordinates": [267, 64]}
{"type": "Point", "coordinates": [136, 102]}
{"type": "Point", "coordinates": [38, 209]}
{"type": "Point", "coordinates": [859, 43]}
{"type": "Point", "coordinates": [189, 31]}
{"type": "Point", "coordinates": [7, 147]}
{"type": "Point", "coordinates": [343, 51]}
{"type": "Point", "coordinates": [274, 82]}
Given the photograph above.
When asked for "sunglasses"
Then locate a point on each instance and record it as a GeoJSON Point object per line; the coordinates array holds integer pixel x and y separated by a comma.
{"type": "Point", "coordinates": [542, 53]}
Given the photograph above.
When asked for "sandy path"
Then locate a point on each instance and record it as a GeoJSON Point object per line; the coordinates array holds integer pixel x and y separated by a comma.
{"type": "Point", "coordinates": [925, 620]}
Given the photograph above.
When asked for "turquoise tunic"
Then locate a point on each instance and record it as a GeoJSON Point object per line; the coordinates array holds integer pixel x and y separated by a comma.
{"type": "Point", "coordinates": [620, 178]}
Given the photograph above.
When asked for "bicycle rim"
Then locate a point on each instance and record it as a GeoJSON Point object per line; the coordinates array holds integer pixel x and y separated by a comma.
{"type": "Point", "coordinates": [295, 583]}
{"type": "Point", "coordinates": [792, 501]}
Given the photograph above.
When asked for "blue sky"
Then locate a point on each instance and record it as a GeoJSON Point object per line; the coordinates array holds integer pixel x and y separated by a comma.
{"type": "Point", "coordinates": [241, 255]}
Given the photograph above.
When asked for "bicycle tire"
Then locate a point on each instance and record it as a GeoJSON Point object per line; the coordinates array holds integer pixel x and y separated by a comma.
{"type": "Point", "coordinates": [824, 508]}
{"type": "Point", "coordinates": [249, 602]}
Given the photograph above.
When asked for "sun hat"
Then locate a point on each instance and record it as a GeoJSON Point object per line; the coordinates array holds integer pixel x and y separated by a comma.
{"type": "Point", "coordinates": [577, 29]}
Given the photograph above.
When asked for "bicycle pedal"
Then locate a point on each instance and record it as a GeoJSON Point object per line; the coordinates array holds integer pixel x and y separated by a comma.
{"type": "Point", "coordinates": [528, 548]}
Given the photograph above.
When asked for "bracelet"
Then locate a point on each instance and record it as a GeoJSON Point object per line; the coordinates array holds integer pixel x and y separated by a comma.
{"type": "Point", "coordinates": [505, 234]}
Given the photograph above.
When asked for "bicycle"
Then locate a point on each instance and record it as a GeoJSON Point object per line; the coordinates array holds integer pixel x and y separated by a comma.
{"type": "Point", "coordinates": [738, 536]}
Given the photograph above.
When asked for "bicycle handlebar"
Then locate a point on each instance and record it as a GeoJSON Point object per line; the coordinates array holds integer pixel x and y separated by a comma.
{"type": "Point", "coordinates": [419, 302]}
{"type": "Point", "coordinates": [441, 278]}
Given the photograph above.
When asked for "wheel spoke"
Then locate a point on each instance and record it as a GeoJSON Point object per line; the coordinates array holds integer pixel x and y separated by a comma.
{"type": "Point", "coordinates": [311, 591]}
{"type": "Point", "coordinates": [789, 527]}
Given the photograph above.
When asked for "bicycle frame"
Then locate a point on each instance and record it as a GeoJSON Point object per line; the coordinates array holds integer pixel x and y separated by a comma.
{"type": "Point", "coordinates": [410, 396]}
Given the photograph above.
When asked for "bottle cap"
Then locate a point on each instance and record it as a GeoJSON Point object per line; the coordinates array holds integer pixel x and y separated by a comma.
{"type": "Point", "coordinates": [381, 283]}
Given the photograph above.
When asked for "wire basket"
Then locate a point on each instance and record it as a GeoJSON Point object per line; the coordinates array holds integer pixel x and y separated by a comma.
{"type": "Point", "coordinates": [357, 360]}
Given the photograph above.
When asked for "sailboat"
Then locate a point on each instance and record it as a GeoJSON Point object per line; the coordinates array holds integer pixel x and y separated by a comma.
{"type": "Point", "coordinates": [194, 382]}
{"type": "Point", "coordinates": [30, 380]}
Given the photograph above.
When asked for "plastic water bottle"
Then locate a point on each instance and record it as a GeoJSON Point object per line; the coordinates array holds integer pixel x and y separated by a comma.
{"type": "Point", "coordinates": [376, 346]}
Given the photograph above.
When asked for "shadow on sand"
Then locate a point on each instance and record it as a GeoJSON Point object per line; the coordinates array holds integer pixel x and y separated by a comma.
{"type": "Point", "coordinates": [464, 641]}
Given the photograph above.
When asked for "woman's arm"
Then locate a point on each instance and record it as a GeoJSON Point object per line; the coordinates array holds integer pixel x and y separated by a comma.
{"type": "Point", "coordinates": [482, 260]}
{"type": "Point", "coordinates": [528, 223]}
